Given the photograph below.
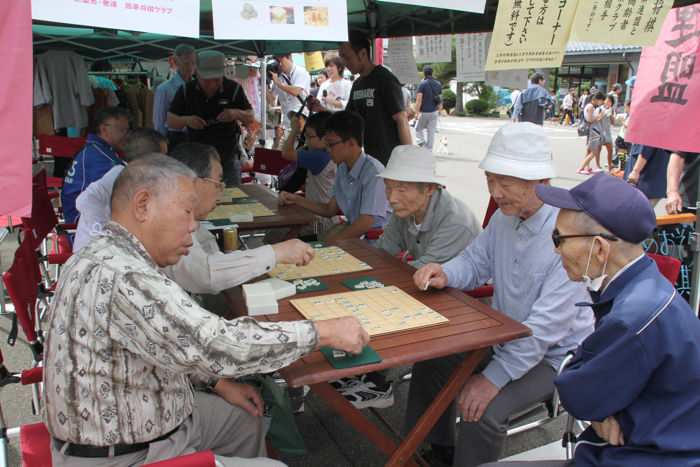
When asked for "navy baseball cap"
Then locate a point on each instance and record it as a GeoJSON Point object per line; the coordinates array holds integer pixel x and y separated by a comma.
{"type": "Point", "coordinates": [616, 205]}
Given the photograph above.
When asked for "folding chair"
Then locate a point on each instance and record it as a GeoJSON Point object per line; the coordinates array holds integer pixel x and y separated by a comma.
{"type": "Point", "coordinates": [485, 291]}
{"type": "Point", "coordinates": [59, 146]}
{"type": "Point", "coordinates": [35, 440]}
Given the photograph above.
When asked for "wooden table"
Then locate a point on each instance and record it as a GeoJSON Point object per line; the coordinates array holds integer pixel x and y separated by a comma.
{"type": "Point", "coordinates": [292, 217]}
{"type": "Point", "coordinates": [473, 328]}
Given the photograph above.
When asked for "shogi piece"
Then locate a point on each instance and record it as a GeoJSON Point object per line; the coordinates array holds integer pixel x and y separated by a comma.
{"type": "Point", "coordinates": [327, 261]}
{"type": "Point", "coordinates": [381, 311]}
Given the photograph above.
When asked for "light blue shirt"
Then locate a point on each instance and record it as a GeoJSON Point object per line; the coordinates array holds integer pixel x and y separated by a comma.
{"type": "Point", "coordinates": [359, 191]}
{"type": "Point", "coordinates": [164, 95]}
{"type": "Point", "coordinates": [530, 286]}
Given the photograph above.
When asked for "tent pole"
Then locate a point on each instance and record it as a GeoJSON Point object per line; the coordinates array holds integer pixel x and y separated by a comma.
{"type": "Point", "coordinates": [263, 99]}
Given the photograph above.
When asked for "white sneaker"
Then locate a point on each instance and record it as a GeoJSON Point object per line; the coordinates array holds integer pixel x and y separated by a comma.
{"type": "Point", "coordinates": [367, 394]}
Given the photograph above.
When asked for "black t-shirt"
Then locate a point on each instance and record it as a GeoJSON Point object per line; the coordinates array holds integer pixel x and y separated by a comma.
{"type": "Point", "coordinates": [689, 178]}
{"type": "Point", "coordinates": [377, 97]}
{"type": "Point", "coordinates": [190, 100]}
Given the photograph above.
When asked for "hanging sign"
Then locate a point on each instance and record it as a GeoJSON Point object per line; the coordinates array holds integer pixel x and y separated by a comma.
{"type": "Point", "coordinates": [666, 95]}
{"type": "Point", "coordinates": [172, 17]}
{"type": "Point", "coordinates": [399, 58]}
{"type": "Point", "coordinates": [620, 21]}
{"type": "Point", "coordinates": [530, 34]}
{"type": "Point", "coordinates": [433, 49]}
{"type": "Point", "coordinates": [302, 20]}
{"type": "Point", "coordinates": [471, 56]}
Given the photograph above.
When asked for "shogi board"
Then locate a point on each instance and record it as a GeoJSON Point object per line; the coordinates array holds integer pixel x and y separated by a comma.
{"type": "Point", "coordinates": [233, 193]}
{"type": "Point", "coordinates": [224, 211]}
{"type": "Point", "coordinates": [381, 311]}
{"type": "Point", "coordinates": [327, 262]}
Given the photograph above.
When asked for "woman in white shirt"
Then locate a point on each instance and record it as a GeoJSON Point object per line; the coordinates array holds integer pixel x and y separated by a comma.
{"type": "Point", "coordinates": [335, 91]}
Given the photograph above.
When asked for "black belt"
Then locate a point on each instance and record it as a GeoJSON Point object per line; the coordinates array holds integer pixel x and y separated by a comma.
{"type": "Point", "coordinates": [86, 450]}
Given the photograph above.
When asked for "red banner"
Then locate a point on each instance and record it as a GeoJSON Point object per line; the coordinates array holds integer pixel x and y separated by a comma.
{"type": "Point", "coordinates": [666, 96]}
{"type": "Point", "coordinates": [16, 109]}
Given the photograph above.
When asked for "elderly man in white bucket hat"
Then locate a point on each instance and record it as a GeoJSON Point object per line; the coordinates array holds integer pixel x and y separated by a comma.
{"type": "Point", "coordinates": [531, 286]}
{"type": "Point", "coordinates": [428, 225]}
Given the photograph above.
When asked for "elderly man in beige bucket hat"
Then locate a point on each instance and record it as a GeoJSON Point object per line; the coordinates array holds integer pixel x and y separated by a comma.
{"type": "Point", "coordinates": [428, 225]}
{"type": "Point", "coordinates": [530, 286]}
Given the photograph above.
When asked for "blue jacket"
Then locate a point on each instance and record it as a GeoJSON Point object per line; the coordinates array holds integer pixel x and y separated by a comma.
{"type": "Point", "coordinates": [641, 365]}
{"type": "Point", "coordinates": [89, 165]}
{"type": "Point", "coordinates": [530, 106]}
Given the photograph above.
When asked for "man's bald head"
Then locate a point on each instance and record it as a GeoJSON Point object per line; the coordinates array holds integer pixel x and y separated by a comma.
{"type": "Point", "coordinates": [154, 172]}
{"type": "Point", "coordinates": [154, 198]}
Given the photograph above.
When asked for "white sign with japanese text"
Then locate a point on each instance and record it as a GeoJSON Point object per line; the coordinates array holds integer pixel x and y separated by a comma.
{"type": "Point", "coordinates": [471, 56]}
{"type": "Point", "coordinates": [530, 34]}
{"type": "Point", "coordinates": [171, 17]}
{"type": "Point", "coordinates": [511, 79]}
{"type": "Point", "coordinates": [399, 58]}
{"type": "Point", "coordinates": [620, 21]}
{"type": "Point", "coordinates": [471, 6]}
{"type": "Point", "coordinates": [433, 49]}
{"type": "Point", "coordinates": [308, 20]}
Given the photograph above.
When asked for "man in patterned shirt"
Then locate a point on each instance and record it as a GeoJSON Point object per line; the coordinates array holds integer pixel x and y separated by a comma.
{"type": "Point", "coordinates": [125, 342]}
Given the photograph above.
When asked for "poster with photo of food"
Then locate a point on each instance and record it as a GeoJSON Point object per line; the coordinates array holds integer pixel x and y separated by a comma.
{"type": "Point", "coordinates": [308, 20]}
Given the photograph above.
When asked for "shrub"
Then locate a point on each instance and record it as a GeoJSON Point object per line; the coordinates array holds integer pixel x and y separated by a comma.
{"type": "Point", "coordinates": [477, 107]}
{"type": "Point", "coordinates": [449, 99]}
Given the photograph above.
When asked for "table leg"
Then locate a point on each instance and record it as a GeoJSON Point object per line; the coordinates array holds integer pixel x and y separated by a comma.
{"type": "Point", "coordinates": [354, 417]}
{"type": "Point", "coordinates": [426, 422]}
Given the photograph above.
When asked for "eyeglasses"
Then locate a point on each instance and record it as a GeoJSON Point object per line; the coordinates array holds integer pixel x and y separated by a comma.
{"type": "Point", "coordinates": [334, 143]}
{"type": "Point", "coordinates": [558, 238]}
{"type": "Point", "coordinates": [219, 184]}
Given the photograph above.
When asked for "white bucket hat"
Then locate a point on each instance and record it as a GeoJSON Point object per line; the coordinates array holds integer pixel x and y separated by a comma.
{"type": "Point", "coordinates": [520, 150]}
{"type": "Point", "coordinates": [409, 163]}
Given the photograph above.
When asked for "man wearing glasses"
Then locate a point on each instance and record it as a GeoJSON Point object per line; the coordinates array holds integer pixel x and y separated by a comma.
{"type": "Point", "coordinates": [206, 270]}
{"type": "Point", "coordinates": [97, 157]}
{"type": "Point", "coordinates": [531, 286]}
{"type": "Point", "coordinates": [636, 376]}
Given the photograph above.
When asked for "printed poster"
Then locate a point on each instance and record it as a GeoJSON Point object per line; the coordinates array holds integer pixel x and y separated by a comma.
{"type": "Point", "coordinates": [308, 20]}
{"type": "Point", "coordinates": [530, 34]}
{"type": "Point", "coordinates": [471, 6]}
{"type": "Point", "coordinates": [172, 17]}
{"type": "Point", "coordinates": [620, 21]}
{"type": "Point", "coordinates": [471, 56]}
{"type": "Point", "coordinates": [399, 58]}
{"type": "Point", "coordinates": [433, 49]}
{"type": "Point", "coordinates": [666, 95]}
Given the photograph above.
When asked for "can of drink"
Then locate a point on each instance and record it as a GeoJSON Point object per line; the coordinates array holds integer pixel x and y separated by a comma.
{"type": "Point", "coordinates": [230, 239]}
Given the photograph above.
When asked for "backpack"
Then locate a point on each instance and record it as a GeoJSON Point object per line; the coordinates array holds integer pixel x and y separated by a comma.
{"type": "Point", "coordinates": [437, 95]}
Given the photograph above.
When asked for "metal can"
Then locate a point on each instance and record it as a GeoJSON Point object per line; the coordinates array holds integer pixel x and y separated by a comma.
{"type": "Point", "coordinates": [230, 239]}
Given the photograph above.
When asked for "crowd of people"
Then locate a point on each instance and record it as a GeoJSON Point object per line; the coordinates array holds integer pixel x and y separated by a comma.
{"type": "Point", "coordinates": [137, 371]}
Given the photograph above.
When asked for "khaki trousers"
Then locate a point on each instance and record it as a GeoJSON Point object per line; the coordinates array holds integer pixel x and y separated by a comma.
{"type": "Point", "coordinates": [235, 437]}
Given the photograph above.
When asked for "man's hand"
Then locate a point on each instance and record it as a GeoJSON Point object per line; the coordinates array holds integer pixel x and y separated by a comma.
{"type": "Point", "coordinates": [475, 397]}
{"type": "Point", "coordinates": [275, 78]}
{"type": "Point", "coordinates": [286, 198]}
{"type": "Point", "coordinates": [610, 431]}
{"type": "Point", "coordinates": [196, 123]}
{"type": "Point", "coordinates": [430, 275]}
{"type": "Point", "coordinates": [674, 202]}
{"type": "Point", "coordinates": [633, 178]}
{"type": "Point", "coordinates": [241, 395]}
{"type": "Point", "coordinates": [228, 115]}
{"type": "Point", "coordinates": [293, 252]}
{"type": "Point", "coordinates": [346, 334]}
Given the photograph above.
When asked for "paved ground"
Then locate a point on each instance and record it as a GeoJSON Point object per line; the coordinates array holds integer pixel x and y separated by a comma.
{"type": "Point", "coordinates": [330, 441]}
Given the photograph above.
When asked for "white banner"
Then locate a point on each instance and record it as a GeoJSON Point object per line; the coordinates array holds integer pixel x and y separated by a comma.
{"type": "Point", "coordinates": [171, 17]}
{"type": "Point", "coordinates": [511, 79]}
{"type": "Point", "coordinates": [400, 59]}
{"type": "Point", "coordinates": [307, 20]}
{"type": "Point", "coordinates": [433, 49]}
{"type": "Point", "coordinates": [471, 56]}
{"type": "Point", "coordinates": [471, 6]}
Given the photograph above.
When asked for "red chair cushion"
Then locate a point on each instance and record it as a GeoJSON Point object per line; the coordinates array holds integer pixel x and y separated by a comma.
{"type": "Point", "coordinates": [60, 146]}
{"type": "Point", "coordinates": [481, 292]}
{"type": "Point", "coordinates": [61, 249]}
{"type": "Point", "coordinates": [668, 266]}
{"type": "Point", "coordinates": [32, 376]}
{"type": "Point", "coordinates": [198, 459]}
{"type": "Point", "coordinates": [35, 445]}
{"type": "Point", "coordinates": [269, 161]}
{"type": "Point", "coordinates": [374, 234]}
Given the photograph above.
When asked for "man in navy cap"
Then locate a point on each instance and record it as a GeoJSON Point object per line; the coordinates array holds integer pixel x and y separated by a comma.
{"type": "Point", "coordinates": [636, 377]}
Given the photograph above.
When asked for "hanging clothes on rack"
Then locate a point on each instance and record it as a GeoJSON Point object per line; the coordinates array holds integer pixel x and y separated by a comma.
{"type": "Point", "coordinates": [61, 80]}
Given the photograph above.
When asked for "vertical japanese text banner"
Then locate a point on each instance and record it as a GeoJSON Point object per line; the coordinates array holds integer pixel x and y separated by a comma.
{"type": "Point", "coordinates": [399, 58]}
{"type": "Point", "coordinates": [530, 34]}
{"type": "Point", "coordinates": [620, 21]}
{"type": "Point", "coordinates": [433, 49]}
{"type": "Point", "coordinates": [666, 96]}
{"type": "Point", "coordinates": [16, 110]}
{"type": "Point", "coordinates": [471, 56]}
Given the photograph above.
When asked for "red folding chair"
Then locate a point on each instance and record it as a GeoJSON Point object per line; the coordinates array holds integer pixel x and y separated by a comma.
{"type": "Point", "coordinates": [669, 266]}
{"type": "Point", "coordinates": [35, 440]}
{"type": "Point", "coordinates": [269, 161]}
{"type": "Point", "coordinates": [59, 146]}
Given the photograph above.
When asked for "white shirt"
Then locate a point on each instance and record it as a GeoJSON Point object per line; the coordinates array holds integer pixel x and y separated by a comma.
{"type": "Point", "coordinates": [299, 78]}
{"type": "Point", "coordinates": [339, 89]}
{"type": "Point", "coordinates": [568, 102]}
